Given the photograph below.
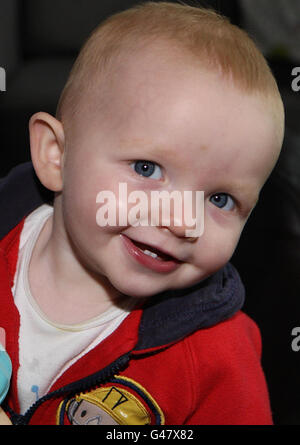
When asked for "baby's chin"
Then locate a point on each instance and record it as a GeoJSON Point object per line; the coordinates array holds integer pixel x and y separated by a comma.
{"type": "Point", "coordinates": [139, 288]}
{"type": "Point", "coordinates": [140, 292]}
{"type": "Point", "coordinates": [148, 287]}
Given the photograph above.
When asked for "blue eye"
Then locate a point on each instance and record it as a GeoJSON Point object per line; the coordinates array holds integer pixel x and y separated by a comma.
{"type": "Point", "coordinates": [223, 201]}
{"type": "Point", "coordinates": [147, 169]}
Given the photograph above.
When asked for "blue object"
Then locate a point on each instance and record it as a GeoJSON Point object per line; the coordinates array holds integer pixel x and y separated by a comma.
{"type": "Point", "coordinates": [5, 373]}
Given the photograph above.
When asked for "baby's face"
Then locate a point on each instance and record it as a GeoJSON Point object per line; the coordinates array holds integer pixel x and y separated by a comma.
{"type": "Point", "coordinates": [194, 132]}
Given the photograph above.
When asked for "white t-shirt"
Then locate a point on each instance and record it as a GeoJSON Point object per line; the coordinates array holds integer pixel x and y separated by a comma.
{"type": "Point", "coordinates": [47, 349]}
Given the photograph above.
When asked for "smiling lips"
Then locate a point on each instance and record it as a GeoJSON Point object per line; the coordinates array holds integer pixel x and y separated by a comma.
{"type": "Point", "coordinates": [150, 257]}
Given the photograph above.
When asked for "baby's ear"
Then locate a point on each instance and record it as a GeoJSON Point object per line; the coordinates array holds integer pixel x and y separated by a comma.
{"type": "Point", "coordinates": [47, 143]}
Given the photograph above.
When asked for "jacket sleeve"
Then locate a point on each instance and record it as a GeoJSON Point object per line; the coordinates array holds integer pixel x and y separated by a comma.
{"type": "Point", "coordinates": [229, 385]}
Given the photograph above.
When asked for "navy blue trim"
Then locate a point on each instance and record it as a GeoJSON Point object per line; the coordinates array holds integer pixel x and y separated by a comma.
{"type": "Point", "coordinates": [20, 194]}
{"type": "Point", "coordinates": [62, 412]}
{"type": "Point", "coordinates": [172, 315]}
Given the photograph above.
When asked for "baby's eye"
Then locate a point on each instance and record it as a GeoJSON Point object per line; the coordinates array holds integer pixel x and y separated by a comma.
{"type": "Point", "coordinates": [147, 169]}
{"type": "Point", "coordinates": [223, 201]}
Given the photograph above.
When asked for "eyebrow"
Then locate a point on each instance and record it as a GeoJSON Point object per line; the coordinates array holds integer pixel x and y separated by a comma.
{"type": "Point", "coordinates": [157, 150]}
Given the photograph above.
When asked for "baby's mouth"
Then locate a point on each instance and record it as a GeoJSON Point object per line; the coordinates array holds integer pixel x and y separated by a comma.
{"type": "Point", "coordinates": [153, 252]}
{"type": "Point", "coordinates": [150, 257]}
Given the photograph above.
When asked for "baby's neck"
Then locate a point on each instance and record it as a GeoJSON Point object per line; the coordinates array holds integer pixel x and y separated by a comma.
{"type": "Point", "coordinates": [65, 292]}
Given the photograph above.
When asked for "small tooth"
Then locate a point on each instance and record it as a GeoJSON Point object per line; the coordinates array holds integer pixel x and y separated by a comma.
{"type": "Point", "coordinates": [147, 252]}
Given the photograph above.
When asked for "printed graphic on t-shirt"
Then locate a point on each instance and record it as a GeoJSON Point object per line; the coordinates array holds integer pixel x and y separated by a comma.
{"type": "Point", "coordinates": [35, 390]}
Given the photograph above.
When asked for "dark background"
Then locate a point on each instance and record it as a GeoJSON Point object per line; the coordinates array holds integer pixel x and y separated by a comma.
{"type": "Point", "coordinates": [39, 40]}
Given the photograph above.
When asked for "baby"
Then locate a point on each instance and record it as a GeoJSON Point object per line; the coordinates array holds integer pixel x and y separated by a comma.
{"type": "Point", "coordinates": [141, 323]}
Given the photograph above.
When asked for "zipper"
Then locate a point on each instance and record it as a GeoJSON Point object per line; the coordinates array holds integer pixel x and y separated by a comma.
{"type": "Point", "coordinates": [82, 385]}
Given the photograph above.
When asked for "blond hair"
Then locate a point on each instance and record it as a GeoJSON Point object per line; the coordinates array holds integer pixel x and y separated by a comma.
{"type": "Point", "coordinates": [207, 35]}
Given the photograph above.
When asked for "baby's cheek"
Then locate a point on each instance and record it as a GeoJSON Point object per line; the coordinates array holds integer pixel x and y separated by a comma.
{"type": "Point", "coordinates": [215, 249]}
{"type": "Point", "coordinates": [121, 207]}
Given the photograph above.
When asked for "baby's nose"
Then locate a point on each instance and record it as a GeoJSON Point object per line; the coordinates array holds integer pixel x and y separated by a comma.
{"type": "Point", "coordinates": [181, 231]}
{"type": "Point", "coordinates": [184, 219]}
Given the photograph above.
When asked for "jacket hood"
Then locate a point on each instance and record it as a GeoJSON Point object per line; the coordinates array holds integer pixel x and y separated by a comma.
{"type": "Point", "coordinates": [174, 314]}
{"type": "Point", "coordinates": [167, 317]}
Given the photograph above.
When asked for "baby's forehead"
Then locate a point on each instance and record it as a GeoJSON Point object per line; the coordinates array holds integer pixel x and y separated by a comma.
{"type": "Point", "coordinates": [137, 80]}
{"type": "Point", "coordinates": [140, 78]}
